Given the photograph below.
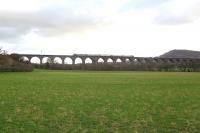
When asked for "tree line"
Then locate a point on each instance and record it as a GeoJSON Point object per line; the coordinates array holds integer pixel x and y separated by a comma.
{"type": "Point", "coordinates": [176, 67]}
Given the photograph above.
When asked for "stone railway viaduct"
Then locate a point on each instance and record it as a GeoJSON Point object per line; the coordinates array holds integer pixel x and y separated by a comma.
{"type": "Point", "coordinates": [95, 59]}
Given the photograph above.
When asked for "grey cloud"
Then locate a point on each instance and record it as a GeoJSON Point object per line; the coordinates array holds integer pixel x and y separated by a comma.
{"type": "Point", "coordinates": [168, 16]}
{"type": "Point", "coordinates": [47, 22]}
{"type": "Point", "coordinates": [169, 19]}
{"type": "Point", "coordinates": [12, 34]}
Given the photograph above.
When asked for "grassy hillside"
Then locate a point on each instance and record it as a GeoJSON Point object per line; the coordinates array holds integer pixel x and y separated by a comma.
{"type": "Point", "coordinates": [182, 54]}
{"type": "Point", "coordinates": [74, 101]}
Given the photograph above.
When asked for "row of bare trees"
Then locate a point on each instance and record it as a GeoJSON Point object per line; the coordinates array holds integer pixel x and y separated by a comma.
{"type": "Point", "coordinates": [182, 67]}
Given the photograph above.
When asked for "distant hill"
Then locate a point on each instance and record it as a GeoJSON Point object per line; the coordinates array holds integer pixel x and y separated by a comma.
{"type": "Point", "coordinates": [181, 54]}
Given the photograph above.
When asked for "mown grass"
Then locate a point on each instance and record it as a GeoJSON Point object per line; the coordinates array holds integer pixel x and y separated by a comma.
{"type": "Point", "coordinates": [81, 101]}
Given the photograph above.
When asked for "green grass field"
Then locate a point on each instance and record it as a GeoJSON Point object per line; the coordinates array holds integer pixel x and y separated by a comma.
{"type": "Point", "coordinates": [82, 101]}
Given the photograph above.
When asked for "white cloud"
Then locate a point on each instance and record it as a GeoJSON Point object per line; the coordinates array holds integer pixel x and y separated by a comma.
{"type": "Point", "coordinates": [56, 27]}
{"type": "Point", "coordinates": [50, 17]}
{"type": "Point", "coordinates": [179, 12]}
{"type": "Point", "coordinates": [47, 22]}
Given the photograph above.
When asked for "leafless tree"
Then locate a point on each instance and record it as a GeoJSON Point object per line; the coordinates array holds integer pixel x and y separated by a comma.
{"type": "Point", "coordinates": [3, 52]}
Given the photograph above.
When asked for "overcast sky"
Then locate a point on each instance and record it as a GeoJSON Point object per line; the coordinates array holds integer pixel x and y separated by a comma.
{"type": "Point", "coordinates": [120, 27]}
